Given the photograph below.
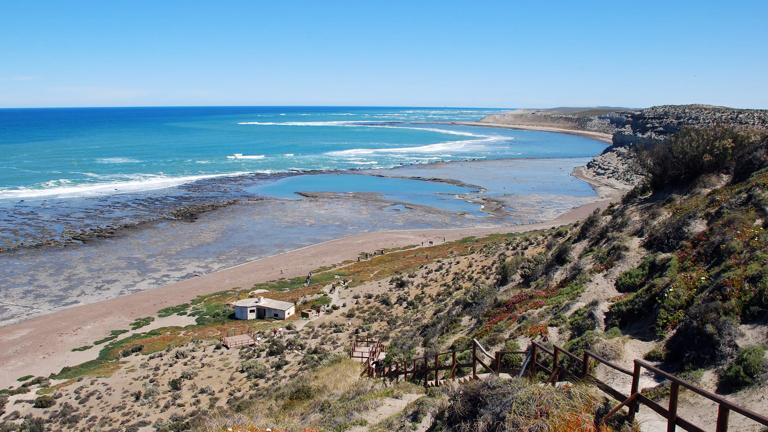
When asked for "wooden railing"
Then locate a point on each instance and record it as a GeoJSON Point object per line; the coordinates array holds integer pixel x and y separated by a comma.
{"type": "Point", "coordinates": [367, 351]}
{"type": "Point", "coordinates": [433, 369]}
{"type": "Point", "coordinates": [635, 398]}
{"type": "Point", "coordinates": [557, 364]}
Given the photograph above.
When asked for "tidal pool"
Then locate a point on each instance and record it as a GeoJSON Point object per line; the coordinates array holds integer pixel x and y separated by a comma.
{"type": "Point", "coordinates": [439, 195]}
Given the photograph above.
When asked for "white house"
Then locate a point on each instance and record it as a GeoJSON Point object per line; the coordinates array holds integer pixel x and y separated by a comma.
{"type": "Point", "coordinates": [262, 308]}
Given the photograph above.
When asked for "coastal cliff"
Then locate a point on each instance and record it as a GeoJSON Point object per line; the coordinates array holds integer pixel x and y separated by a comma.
{"type": "Point", "coordinates": [629, 128]}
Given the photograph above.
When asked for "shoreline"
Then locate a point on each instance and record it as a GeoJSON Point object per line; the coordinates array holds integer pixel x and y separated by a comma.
{"type": "Point", "coordinates": [43, 344]}
{"type": "Point", "coordinates": [599, 136]}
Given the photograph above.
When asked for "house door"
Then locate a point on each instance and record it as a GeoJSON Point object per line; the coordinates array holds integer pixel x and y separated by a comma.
{"type": "Point", "coordinates": [261, 313]}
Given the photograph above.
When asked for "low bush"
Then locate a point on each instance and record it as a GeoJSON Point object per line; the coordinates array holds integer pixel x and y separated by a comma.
{"type": "Point", "coordinates": [633, 279]}
{"type": "Point", "coordinates": [44, 402]}
{"type": "Point", "coordinates": [253, 369]}
{"type": "Point", "coordinates": [747, 369]}
{"type": "Point", "coordinates": [301, 392]}
{"type": "Point", "coordinates": [693, 152]}
{"type": "Point", "coordinates": [516, 405]}
{"type": "Point", "coordinates": [583, 319]}
{"type": "Point", "coordinates": [706, 336]}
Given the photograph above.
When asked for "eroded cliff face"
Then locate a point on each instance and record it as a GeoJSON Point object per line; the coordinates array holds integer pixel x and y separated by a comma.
{"type": "Point", "coordinates": [660, 122]}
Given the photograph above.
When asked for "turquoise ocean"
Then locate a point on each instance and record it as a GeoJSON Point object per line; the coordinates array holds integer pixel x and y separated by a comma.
{"type": "Point", "coordinates": [91, 151]}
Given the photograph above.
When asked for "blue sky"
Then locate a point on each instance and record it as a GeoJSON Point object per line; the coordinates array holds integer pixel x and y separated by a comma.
{"type": "Point", "coordinates": [426, 53]}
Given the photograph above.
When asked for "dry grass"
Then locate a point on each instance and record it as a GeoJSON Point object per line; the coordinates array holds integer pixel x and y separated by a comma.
{"type": "Point", "coordinates": [333, 397]}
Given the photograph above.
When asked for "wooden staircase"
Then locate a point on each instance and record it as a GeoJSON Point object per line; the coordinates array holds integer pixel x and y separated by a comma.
{"type": "Point", "coordinates": [548, 364]}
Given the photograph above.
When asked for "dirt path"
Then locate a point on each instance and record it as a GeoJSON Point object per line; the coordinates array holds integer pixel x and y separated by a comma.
{"type": "Point", "coordinates": [387, 408]}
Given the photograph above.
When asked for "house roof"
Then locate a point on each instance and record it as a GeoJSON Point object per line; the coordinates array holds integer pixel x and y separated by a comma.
{"type": "Point", "coordinates": [263, 302]}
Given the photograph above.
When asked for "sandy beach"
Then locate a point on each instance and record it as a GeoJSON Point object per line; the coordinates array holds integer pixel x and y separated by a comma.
{"type": "Point", "coordinates": [43, 345]}
{"type": "Point", "coordinates": [604, 137]}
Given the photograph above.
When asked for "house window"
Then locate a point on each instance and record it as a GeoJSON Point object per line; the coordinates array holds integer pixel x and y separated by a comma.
{"type": "Point", "coordinates": [252, 311]}
{"type": "Point", "coordinates": [277, 315]}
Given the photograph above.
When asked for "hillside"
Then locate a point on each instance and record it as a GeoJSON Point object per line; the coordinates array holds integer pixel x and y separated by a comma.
{"type": "Point", "coordinates": [676, 273]}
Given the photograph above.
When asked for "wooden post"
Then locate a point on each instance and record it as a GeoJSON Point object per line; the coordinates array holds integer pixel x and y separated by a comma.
{"type": "Point", "coordinates": [437, 370]}
{"type": "Point", "coordinates": [555, 364]}
{"type": "Point", "coordinates": [585, 364]}
{"type": "Point", "coordinates": [635, 385]}
{"type": "Point", "coordinates": [453, 365]}
{"type": "Point", "coordinates": [498, 362]}
{"type": "Point", "coordinates": [413, 371]}
{"type": "Point", "coordinates": [533, 359]}
{"type": "Point", "coordinates": [426, 371]}
{"type": "Point", "coordinates": [672, 420]}
{"type": "Point", "coordinates": [474, 360]}
{"type": "Point", "coordinates": [722, 418]}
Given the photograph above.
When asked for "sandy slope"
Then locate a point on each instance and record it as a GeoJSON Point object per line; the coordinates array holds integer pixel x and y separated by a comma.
{"type": "Point", "coordinates": [42, 345]}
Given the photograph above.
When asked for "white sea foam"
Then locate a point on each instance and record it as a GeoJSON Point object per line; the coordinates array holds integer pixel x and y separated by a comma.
{"type": "Point", "coordinates": [117, 160]}
{"type": "Point", "coordinates": [373, 124]}
{"type": "Point", "coordinates": [363, 162]}
{"type": "Point", "coordinates": [134, 183]}
{"type": "Point", "coordinates": [440, 148]}
{"type": "Point", "coordinates": [242, 156]}
{"type": "Point", "coordinates": [288, 155]}
{"type": "Point", "coordinates": [307, 123]}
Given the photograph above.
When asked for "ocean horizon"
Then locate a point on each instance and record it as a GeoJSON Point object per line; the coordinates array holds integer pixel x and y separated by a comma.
{"type": "Point", "coordinates": [77, 152]}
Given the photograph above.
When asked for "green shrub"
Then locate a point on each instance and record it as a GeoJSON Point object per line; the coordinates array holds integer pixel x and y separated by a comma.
{"type": "Point", "coordinates": [633, 279]}
{"type": "Point", "coordinates": [83, 348]}
{"type": "Point", "coordinates": [747, 369]}
{"type": "Point", "coordinates": [656, 354]}
{"type": "Point", "coordinates": [532, 268]}
{"type": "Point", "coordinates": [132, 350]}
{"type": "Point", "coordinates": [707, 336]}
{"type": "Point", "coordinates": [45, 401]}
{"type": "Point", "coordinates": [588, 225]}
{"type": "Point", "coordinates": [301, 392]}
{"type": "Point", "coordinates": [141, 322]}
{"type": "Point", "coordinates": [175, 384]}
{"type": "Point", "coordinates": [691, 153]}
{"type": "Point", "coordinates": [173, 310]}
{"type": "Point", "coordinates": [253, 369]}
{"type": "Point", "coordinates": [750, 156]}
{"type": "Point", "coordinates": [511, 361]}
{"type": "Point", "coordinates": [583, 320]}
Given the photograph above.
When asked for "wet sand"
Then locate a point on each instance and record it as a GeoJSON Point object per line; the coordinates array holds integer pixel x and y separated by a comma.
{"type": "Point", "coordinates": [43, 345]}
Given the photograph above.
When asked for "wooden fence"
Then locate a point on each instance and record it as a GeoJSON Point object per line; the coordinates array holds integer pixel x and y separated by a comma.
{"type": "Point", "coordinates": [561, 364]}
{"type": "Point", "coordinates": [557, 364]}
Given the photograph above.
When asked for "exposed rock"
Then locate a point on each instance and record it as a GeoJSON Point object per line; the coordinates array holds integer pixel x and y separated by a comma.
{"type": "Point", "coordinates": [660, 122]}
{"type": "Point", "coordinates": [616, 163]}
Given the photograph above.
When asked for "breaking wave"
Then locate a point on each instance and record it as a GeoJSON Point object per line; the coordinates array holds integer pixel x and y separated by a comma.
{"type": "Point", "coordinates": [131, 183]}
{"type": "Point", "coordinates": [117, 160]}
{"type": "Point", "coordinates": [243, 156]}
